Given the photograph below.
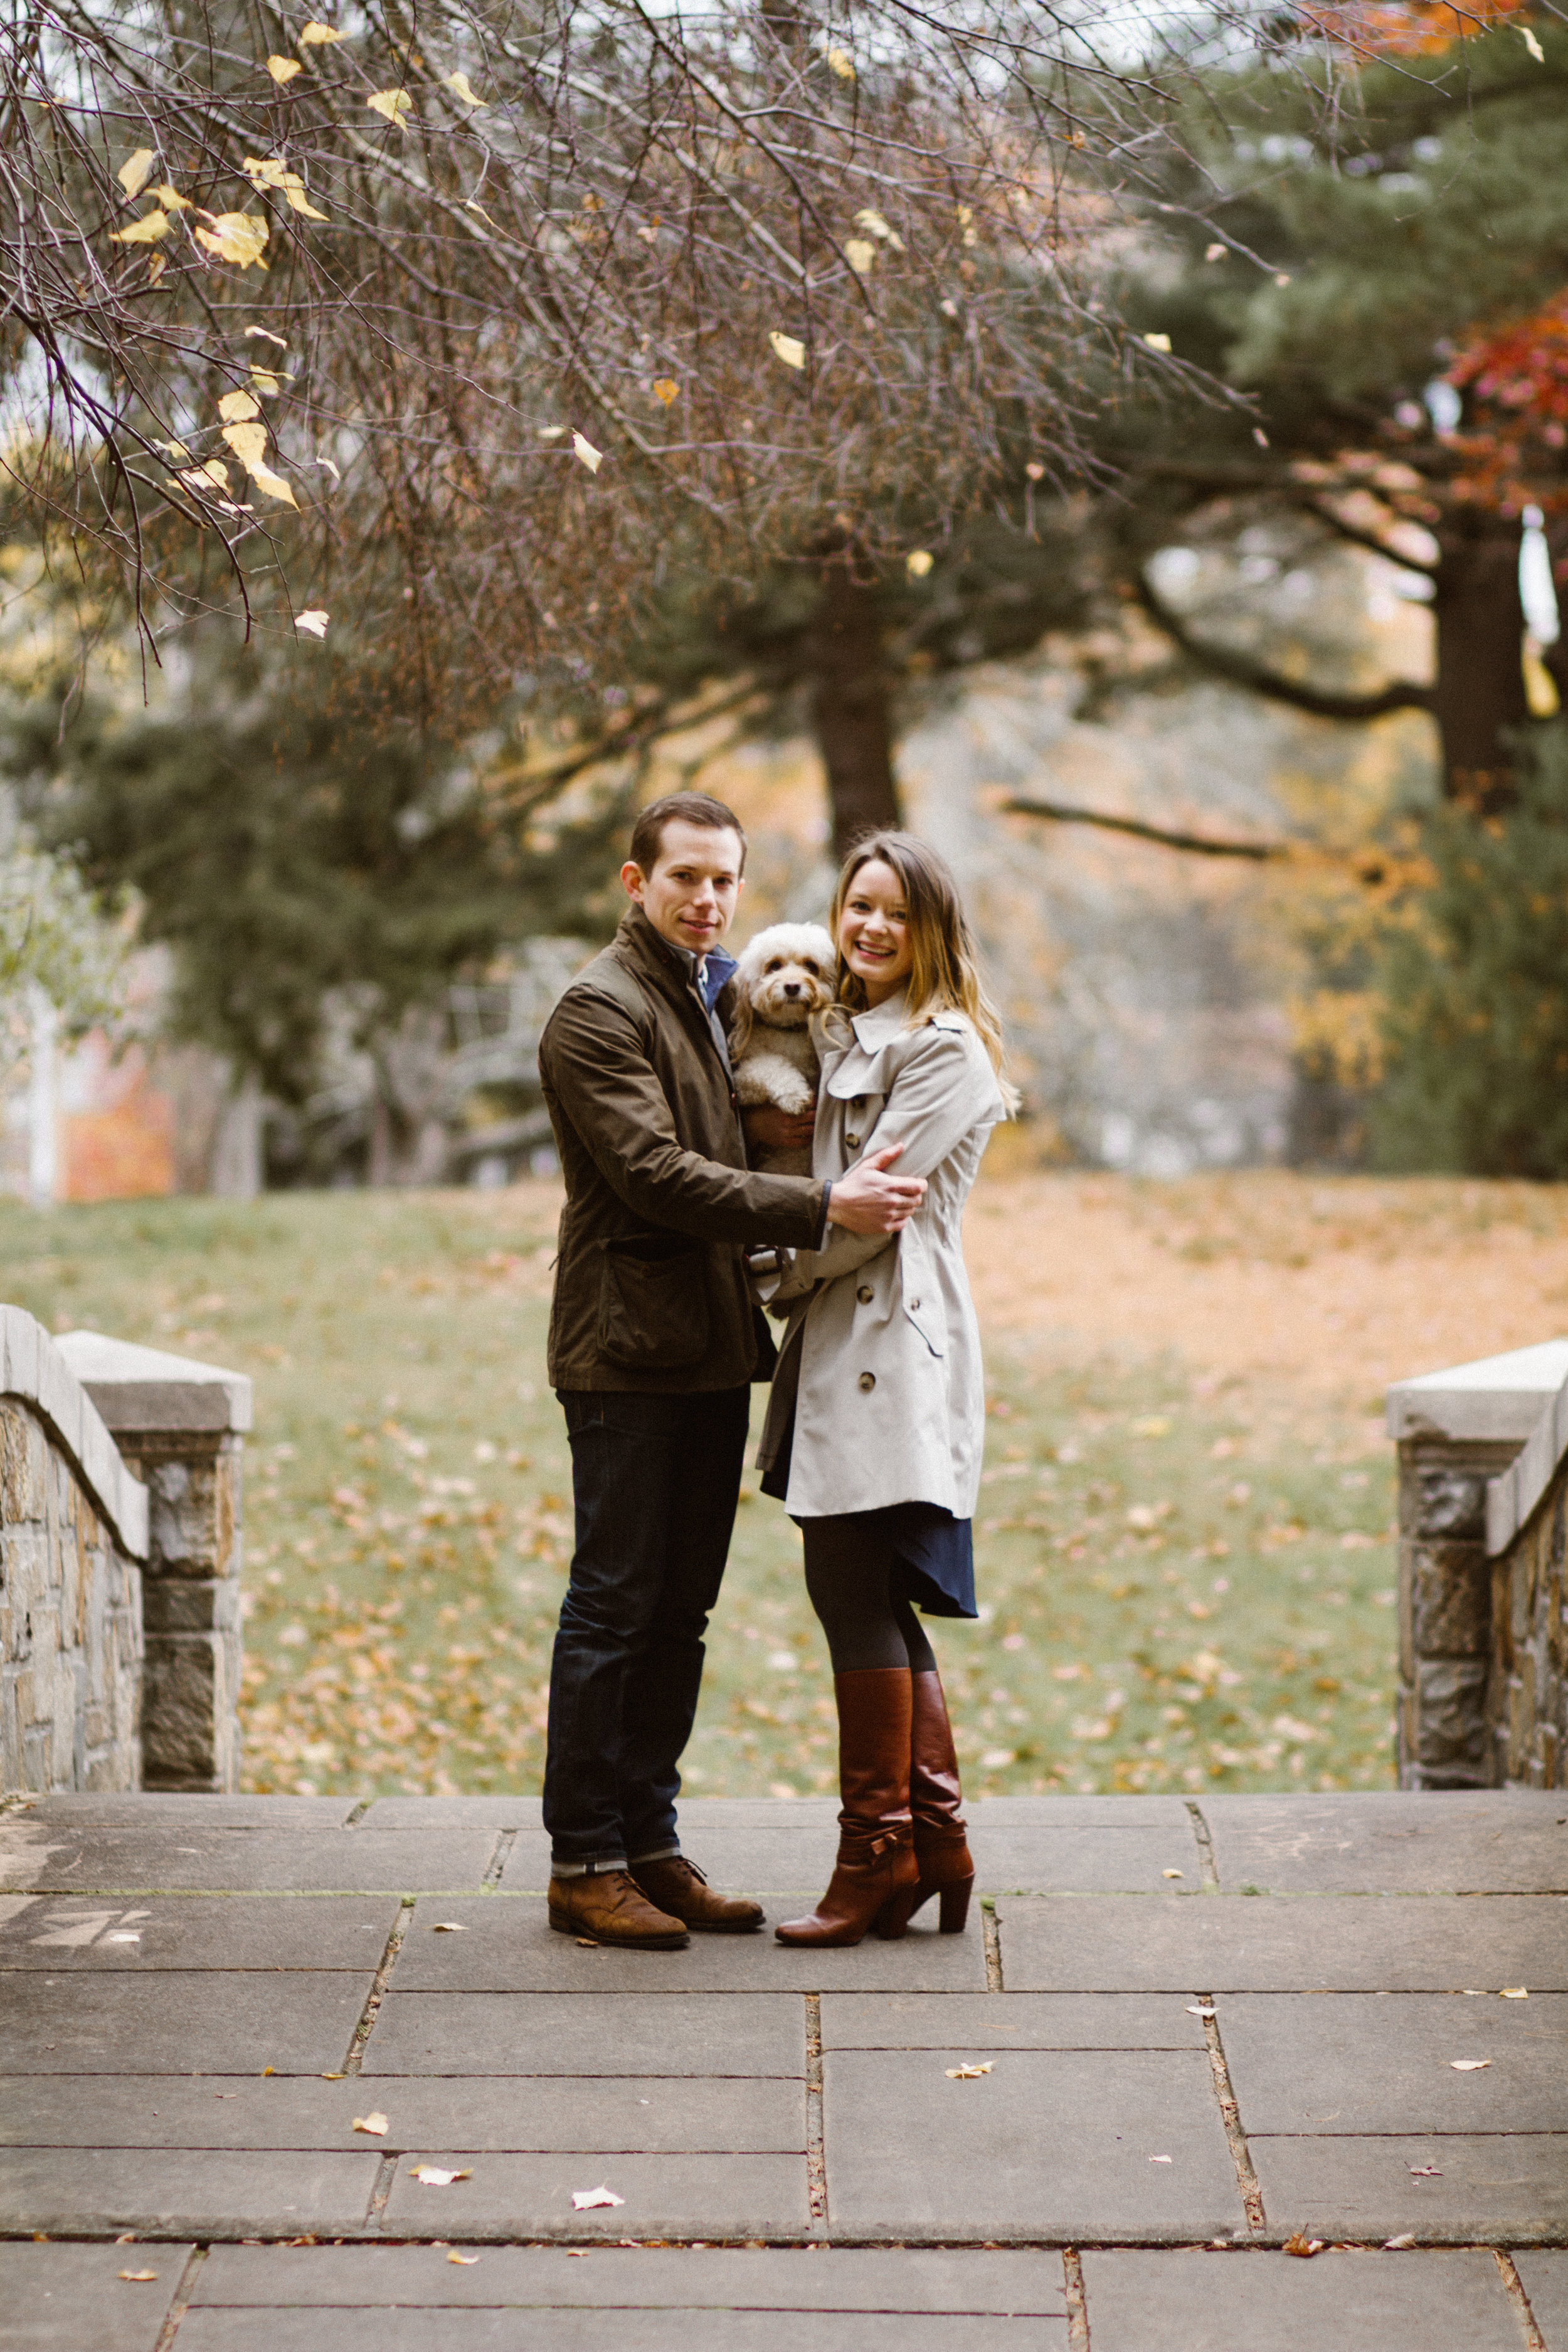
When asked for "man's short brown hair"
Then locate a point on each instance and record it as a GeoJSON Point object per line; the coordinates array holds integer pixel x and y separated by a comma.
{"type": "Point", "coordinates": [695, 808]}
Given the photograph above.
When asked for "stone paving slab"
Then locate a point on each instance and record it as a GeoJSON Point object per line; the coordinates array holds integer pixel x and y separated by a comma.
{"type": "Point", "coordinates": [818, 2278]}
{"type": "Point", "coordinates": [655, 2115]}
{"type": "Point", "coordinates": [54, 1934]}
{"type": "Point", "coordinates": [1058, 2144]}
{"type": "Point", "coordinates": [701, 1815]}
{"type": "Point", "coordinates": [1254, 2302]}
{"type": "Point", "coordinates": [771, 1863]}
{"type": "Point", "coordinates": [1544, 2278]}
{"type": "Point", "coordinates": [306, 1861]}
{"type": "Point", "coordinates": [509, 1946]}
{"type": "Point", "coordinates": [674, 2195]}
{"type": "Point", "coordinates": [1414, 1943]}
{"type": "Point", "coordinates": [1497, 1841]}
{"type": "Point", "coordinates": [166, 2023]}
{"type": "Point", "coordinates": [72, 2299]}
{"type": "Point", "coordinates": [1021, 2021]}
{"type": "Point", "coordinates": [603, 2033]}
{"type": "Point", "coordinates": [78, 1809]}
{"type": "Point", "coordinates": [1508, 2186]}
{"type": "Point", "coordinates": [189, 2193]}
{"type": "Point", "coordinates": [1371, 2062]}
{"type": "Point", "coordinates": [589, 2331]}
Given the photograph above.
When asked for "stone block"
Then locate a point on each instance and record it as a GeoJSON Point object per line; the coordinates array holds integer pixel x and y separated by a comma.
{"type": "Point", "coordinates": [1253, 2301]}
{"type": "Point", "coordinates": [72, 2298]}
{"type": "Point", "coordinates": [1383, 2062]}
{"type": "Point", "coordinates": [188, 2192]}
{"type": "Point", "coordinates": [1507, 2186]}
{"type": "Point", "coordinates": [53, 1934]}
{"type": "Point", "coordinates": [664, 2196]}
{"type": "Point", "coordinates": [573, 2330]}
{"type": "Point", "coordinates": [220, 2023]}
{"type": "Point", "coordinates": [1451, 1600]}
{"type": "Point", "coordinates": [1440, 1503]}
{"type": "Point", "coordinates": [1451, 1739]}
{"type": "Point", "coordinates": [587, 2034]}
{"type": "Point", "coordinates": [1481, 1842]}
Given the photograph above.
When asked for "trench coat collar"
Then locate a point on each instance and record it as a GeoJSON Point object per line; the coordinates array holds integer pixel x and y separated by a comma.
{"type": "Point", "coordinates": [882, 1024]}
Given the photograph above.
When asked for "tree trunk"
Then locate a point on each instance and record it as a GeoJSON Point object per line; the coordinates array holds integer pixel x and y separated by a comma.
{"type": "Point", "coordinates": [850, 711]}
{"type": "Point", "coordinates": [1478, 698]}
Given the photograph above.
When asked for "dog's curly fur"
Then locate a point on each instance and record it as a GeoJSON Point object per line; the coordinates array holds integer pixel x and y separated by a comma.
{"type": "Point", "coordinates": [785, 981]}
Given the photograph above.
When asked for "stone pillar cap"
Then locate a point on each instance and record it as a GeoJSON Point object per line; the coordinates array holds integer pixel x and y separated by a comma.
{"type": "Point", "coordinates": [33, 1367]}
{"type": "Point", "coordinates": [137, 1387]}
{"type": "Point", "coordinates": [1498, 1398]}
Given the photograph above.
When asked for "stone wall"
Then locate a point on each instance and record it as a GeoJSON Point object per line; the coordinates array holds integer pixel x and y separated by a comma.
{"type": "Point", "coordinates": [73, 1530]}
{"type": "Point", "coordinates": [1527, 1687]}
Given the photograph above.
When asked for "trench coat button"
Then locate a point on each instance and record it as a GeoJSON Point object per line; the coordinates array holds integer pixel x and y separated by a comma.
{"type": "Point", "coordinates": [853, 1141]}
{"type": "Point", "coordinates": [867, 1382]}
{"type": "Point", "coordinates": [914, 1303]}
{"type": "Point", "coordinates": [865, 1294]}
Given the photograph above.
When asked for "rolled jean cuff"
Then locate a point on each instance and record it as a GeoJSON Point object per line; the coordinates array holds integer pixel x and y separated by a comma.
{"type": "Point", "coordinates": [600, 1867]}
{"type": "Point", "coordinates": [658, 1854]}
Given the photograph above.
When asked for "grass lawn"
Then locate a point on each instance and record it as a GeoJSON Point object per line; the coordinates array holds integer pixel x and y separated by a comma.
{"type": "Point", "coordinates": [1184, 1541]}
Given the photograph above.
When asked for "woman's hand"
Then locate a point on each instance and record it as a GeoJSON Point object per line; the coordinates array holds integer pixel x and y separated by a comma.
{"type": "Point", "coordinates": [768, 1128]}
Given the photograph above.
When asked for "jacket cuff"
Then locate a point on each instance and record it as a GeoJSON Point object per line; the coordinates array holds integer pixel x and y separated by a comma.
{"type": "Point", "coordinates": [821, 1234]}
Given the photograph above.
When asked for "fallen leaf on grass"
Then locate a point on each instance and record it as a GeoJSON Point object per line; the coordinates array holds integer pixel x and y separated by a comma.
{"type": "Point", "coordinates": [584, 2199]}
{"type": "Point", "coordinates": [1303, 2245]}
{"type": "Point", "coordinates": [1469, 2065]}
{"type": "Point", "coordinates": [375, 2123]}
{"type": "Point", "coordinates": [434, 2177]}
{"type": "Point", "coordinates": [468, 2260]}
{"type": "Point", "coordinates": [137, 2278]}
{"type": "Point", "coordinates": [969, 2073]}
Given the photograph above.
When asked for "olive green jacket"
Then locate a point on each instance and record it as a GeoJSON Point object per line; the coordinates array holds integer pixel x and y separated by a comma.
{"type": "Point", "coordinates": [651, 1292]}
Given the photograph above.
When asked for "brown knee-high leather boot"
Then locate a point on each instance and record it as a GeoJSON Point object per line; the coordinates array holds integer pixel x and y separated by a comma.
{"type": "Point", "coordinates": [875, 1877]}
{"type": "Point", "coordinates": [942, 1848]}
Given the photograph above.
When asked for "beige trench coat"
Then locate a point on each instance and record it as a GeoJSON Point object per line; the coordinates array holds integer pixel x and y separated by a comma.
{"type": "Point", "coordinates": [881, 1354]}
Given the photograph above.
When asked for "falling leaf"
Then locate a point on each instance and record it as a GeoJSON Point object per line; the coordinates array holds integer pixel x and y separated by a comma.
{"type": "Point", "coordinates": [969, 2073]}
{"type": "Point", "coordinates": [137, 2278]}
{"type": "Point", "coordinates": [665, 389]}
{"type": "Point", "coordinates": [135, 172]}
{"type": "Point", "coordinates": [392, 104]}
{"type": "Point", "coordinates": [234, 407]}
{"type": "Point", "coordinates": [314, 624]}
{"type": "Point", "coordinates": [842, 64]}
{"type": "Point", "coordinates": [148, 230]}
{"type": "Point", "coordinates": [1533, 45]}
{"type": "Point", "coordinates": [788, 349]}
{"type": "Point", "coordinates": [919, 561]}
{"type": "Point", "coordinates": [1173, 1873]}
{"type": "Point", "coordinates": [267, 336]}
{"type": "Point", "coordinates": [876, 226]}
{"type": "Point", "coordinates": [1469, 2065]}
{"type": "Point", "coordinates": [448, 1927]}
{"type": "Point", "coordinates": [234, 236]}
{"type": "Point", "coordinates": [374, 2123]}
{"type": "Point", "coordinates": [860, 253]}
{"type": "Point", "coordinates": [316, 36]}
{"type": "Point", "coordinates": [170, 199]}
{"type": "Point", "coordinates": [584, 451]}
{"type": "Point", "coordinates": [584, 2199]}
{"type": "Point", "coordinates": [468, 2260]}
{"type": "Point", "coordinates": [1158, 342]}
{"type": "Point", "coordinates": [1303, 2245]}
{"type": "Point", "coordinates": [283, 69]}
{"type": "Point", "coordinates": [1426, 2172]}
{"type": "Point", "coordinates": [458, 83]}
{"type": "Point", "coordinates": [1515, 1992]}
{"type": "Point", "coordinates": [1215, 252]}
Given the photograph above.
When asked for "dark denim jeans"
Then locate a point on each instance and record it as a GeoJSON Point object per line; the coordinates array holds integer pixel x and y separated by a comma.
{"type": "Point", "coordinates": [655, 1480]}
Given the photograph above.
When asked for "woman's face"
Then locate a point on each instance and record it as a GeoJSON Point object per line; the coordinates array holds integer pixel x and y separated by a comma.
{"type": "Point", "coordinates": [874, 932]}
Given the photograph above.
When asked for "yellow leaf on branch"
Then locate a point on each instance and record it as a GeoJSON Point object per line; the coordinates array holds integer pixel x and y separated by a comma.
{"type": "Point", "coordinates": [874, 226]}
{"type": "Point", "coordinates": [248, 443]}
{"type": "Point", "coordinates": [842, 64]}
{"type": "Point", "coordinates": [860, 253]}
{"type": "Point", "coordinates": [274, 486]}
{"type": "Point", "coordinates": [458, 83]}
{"type": "Point", "coordinates": [156, 264]}
{"type": "Point", "coordinates": [234, 236]}
{"type": "Point", "coordinates": [392, 105]}
{"type": "Point", "coordinates": [135, 172]}
{"type": "Point", "coordinates": [146, 231]}
{"type": "Point", "coordinates": [314, 625]}
{"type": "Point", "coordinates": [283, 69]}
{"type": "Point", "coordinates": [266, 383]}
{"type": "Point", "coordinates": [918, 562]}
{"type": "Point", "coordinates": [267, 336]}
{"type": "Point", "coordinates": [583, 450]}
{"type": "Point", "coordinates": [172, 200]}
{"type": "Point", "coordinates": [213, 475]}
{"type": "Point", "coordinates": [788, 349]}
{"type": "Point", "coordinates": [294, 190]}
{"type": "Point", "coordinates": [665, 389]}
{"type": "Point", "coordinates": [234, 407]}
{"type": "Point", "coordinates": [315, 35]}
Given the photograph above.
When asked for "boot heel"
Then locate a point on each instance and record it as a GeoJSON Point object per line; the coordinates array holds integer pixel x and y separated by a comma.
{"type": "Point", "coordinates": [955, 1906]}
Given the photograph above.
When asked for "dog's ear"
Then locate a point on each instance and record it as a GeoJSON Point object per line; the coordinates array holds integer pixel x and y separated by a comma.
{"type": "Point", "coordinates": [740, 1018]}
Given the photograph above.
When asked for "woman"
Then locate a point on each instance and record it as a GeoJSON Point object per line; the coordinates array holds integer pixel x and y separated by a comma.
{"type": "Point", "coordinates": [876, 1416]}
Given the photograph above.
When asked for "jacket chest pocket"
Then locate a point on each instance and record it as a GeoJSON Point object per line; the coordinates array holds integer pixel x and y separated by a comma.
{"type": "Point", "coordinates": [860, 1115]}
{"type": "Point", "coordinates": [653, 1302]}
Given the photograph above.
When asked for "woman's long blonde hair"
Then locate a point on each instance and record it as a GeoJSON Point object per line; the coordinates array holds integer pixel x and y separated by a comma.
{"type": "Point", "coordinates": [946, 977]}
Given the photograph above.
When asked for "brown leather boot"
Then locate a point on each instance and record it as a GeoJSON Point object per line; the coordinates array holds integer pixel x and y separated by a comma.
{"type": "Point", "coordinates": [607, 1906]}
{"type": "Point", "coordinates": [674, 1885]}
{"type": "Point", "coordinates": [942, 1848]}
{"type": "Point", "coordinates": [875, 1877]}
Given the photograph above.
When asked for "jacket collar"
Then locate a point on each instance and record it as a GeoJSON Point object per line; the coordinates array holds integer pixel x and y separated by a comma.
{"type": "Point", "coordinates": [882, 1024]}
{"type": "Point", "coordinates": [671, 969]}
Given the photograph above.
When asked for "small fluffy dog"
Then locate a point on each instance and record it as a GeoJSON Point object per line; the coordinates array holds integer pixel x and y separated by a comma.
{"type": "Point", "coordinates": [785, 978]}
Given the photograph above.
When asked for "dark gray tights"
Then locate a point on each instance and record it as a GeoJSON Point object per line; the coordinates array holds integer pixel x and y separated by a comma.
{"type": "Point", "coordinates": [856, 1584]}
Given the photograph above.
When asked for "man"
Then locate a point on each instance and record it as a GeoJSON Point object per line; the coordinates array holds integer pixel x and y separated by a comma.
{"type": "Point", "coordinates": [654, 1341]}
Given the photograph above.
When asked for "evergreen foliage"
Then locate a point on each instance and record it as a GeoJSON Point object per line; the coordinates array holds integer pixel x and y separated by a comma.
{"type": "Point", "coordinates": [1476, 988]}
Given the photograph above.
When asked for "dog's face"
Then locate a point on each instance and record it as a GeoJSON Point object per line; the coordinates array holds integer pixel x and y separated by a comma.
{"type": "Point", "coordinates": [787, 973]}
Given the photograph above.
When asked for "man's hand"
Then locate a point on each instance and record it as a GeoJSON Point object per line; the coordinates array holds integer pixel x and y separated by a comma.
{"type": "Point", "coordinates": [768, 1128]}
{"type": "Point", "coordinates": [868, 1201]}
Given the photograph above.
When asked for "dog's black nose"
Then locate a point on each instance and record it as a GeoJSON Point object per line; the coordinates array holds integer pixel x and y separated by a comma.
{"type": "Point", "coordinates": [792, 987]}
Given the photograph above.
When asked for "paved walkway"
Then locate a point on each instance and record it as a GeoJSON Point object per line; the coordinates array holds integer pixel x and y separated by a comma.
{"type": "Point", "coordinates": [1178, 2036]}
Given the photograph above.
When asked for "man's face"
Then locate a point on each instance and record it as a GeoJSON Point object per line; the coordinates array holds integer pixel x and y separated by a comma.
{"type": "Point", "coordinates": [691, 893]}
